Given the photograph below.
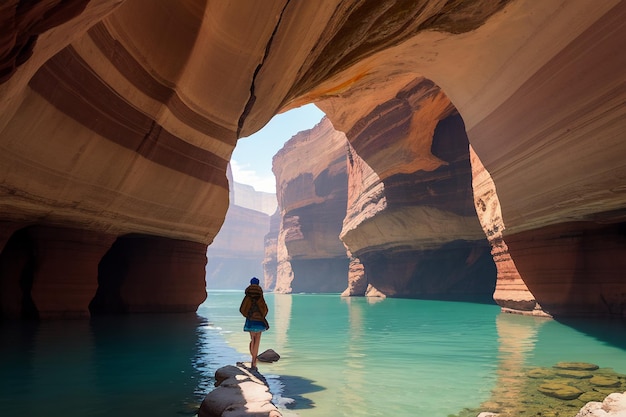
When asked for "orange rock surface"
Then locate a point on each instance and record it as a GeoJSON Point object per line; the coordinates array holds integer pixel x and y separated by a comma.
{"type": "Point", "coordinates": [119, 117]}
{"type": "Point", "coordinates": [311, 190]}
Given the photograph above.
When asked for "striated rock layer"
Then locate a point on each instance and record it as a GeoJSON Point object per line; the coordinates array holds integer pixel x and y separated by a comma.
{"type": "Point", "coordinates": [311, 190]}
{"type": "Point", "coordinates": [270, 246]}
{"type": "Point", "coordinates": [412, 224]}
{"type": "Point", "coordinates": [118, 118]}
{"type": "Point", "coordinates": [511, 291]}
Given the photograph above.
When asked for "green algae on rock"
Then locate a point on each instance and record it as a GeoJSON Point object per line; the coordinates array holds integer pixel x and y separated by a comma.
{"type": "Point", "coordinates": [557, 391]}
{"type": "Point", "coordinates": [605, 381]}
{"type": "Point", "coordinates": [541, 373]}
{"type": "Point", "coordinates": [576, 366]}
{"type": "Point", "coordinates": [574, 374]}
{"type": "Point", "coordinates": [561, 391]}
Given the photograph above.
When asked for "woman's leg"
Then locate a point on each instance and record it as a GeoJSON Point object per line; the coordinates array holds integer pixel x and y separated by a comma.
{"type": "Point", "coordinates": [255, 342]}
{"type": "Point", "coordinates": [251, 346]}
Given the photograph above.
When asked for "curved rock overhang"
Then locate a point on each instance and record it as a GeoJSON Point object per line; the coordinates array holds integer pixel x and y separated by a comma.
{"type": "Point", "coordinates": [120, 117]}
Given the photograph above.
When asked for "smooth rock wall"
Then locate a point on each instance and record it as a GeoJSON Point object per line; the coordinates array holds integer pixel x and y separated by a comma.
{"type": "Point", "coordinates": [412, 224]}
{"type": "Point", "coordinates": [312, 184]}
{"type": "Point", "coordinates": [49, 272]}
{"type": "Point", "coordinates": [574, 268]}
{"type": "Point", "coordinates": [119, 117]}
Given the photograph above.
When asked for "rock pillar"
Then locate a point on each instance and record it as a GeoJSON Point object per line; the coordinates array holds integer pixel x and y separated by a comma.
{"type": "Point", "coordinates": [511, 292]}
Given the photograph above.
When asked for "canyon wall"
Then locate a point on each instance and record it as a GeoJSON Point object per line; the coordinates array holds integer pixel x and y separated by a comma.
{"type": "Point", "coordinates": [311, 190]}
{"type": "Point", "coordinates": [118, 119]}
{"type": "Point", "coordinates": [412, 223]}
{"type": "Point", "coordinates": [237, 252]}
{"type": "Point", "coordinates": [270, 260]}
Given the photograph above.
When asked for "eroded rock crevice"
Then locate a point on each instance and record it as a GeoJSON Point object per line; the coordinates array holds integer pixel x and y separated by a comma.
{"type": "Point", "coordinates": [312, 193]}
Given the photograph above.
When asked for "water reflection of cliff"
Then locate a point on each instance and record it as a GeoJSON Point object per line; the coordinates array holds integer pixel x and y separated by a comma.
{"type": "Point", "coordinates": [354, 387]}
{"type": "Point", "coordinates": [282, 318]}
{"type": "Point", "coordinates": [517, 336]}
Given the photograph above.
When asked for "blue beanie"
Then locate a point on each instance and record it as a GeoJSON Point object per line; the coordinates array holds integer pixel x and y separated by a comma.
{"type": "Point", "coordinates": [254, 280]}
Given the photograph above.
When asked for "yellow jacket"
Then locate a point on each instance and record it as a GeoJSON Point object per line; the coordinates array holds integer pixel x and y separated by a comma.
{"type": "Point", "coordinates": [253, 305]}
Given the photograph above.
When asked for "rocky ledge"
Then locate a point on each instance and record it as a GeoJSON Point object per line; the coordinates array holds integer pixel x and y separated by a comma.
{"type": "Point", "coordinates": [239, 391]}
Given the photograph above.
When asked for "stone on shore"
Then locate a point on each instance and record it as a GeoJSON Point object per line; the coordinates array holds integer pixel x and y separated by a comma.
{"type": "Point", "coordinates": [268, 356]}
{"type": "Point", "coordinates": [239, 392]}
{"type": "Point", "coordinates": [613, 405]}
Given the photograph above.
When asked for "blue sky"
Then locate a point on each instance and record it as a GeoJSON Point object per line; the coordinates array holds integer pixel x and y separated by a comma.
{"type": "Point", "coordinates": [251, 161]}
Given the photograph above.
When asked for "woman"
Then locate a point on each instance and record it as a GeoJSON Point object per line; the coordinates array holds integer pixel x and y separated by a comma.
{"type": "Point", "coordinates": [254, 309]}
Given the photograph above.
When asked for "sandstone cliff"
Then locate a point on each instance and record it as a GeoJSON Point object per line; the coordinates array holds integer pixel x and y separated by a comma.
{"type": "Point", "coordinates": [118, 118]}
{"type": "Point", "coordinates": [270, 260]}
{"type": "Point", "coordinates": [311, 190]}
{"type": "Point", "coordinates": [238, 251]}
{"type": "Point", "coordinates": [412, 223]}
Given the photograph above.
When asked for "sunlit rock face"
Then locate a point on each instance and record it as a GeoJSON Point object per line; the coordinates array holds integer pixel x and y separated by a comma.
{"type": "Point", "coordinates": [545, 123]}
{"type": "Point", "coordinates": [413, 225]}
{"type": "Point", "coordinates": [270, 259]}
{"type": "Point", "coordinates": [119, 117]}
{"type": "Point", "coordinates": [312, 186]}
{"type": "Point", "coordinates": [511, 291]}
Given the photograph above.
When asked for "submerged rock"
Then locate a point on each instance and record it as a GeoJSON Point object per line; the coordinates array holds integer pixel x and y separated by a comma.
{"type": "Point", "coordinates": [568, 373]}
{"type": "Point", "coordinates": [577, 366]}
{"type": "Point", "coordinates": [561, 391]}
{"type": "Point", "coordinates": [540, 373]}
{"type": "Point", "coordinates": [605, 381]}
{"type": "Point", "coordinates": [557, 391]}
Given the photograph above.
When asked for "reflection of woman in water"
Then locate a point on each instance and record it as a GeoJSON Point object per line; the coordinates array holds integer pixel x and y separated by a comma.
{"type": "Point", "coordinates": [254, 309]}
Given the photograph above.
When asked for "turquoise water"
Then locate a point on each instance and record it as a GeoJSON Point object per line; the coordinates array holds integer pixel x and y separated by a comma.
{"type": "Point", "coordinates": [354, 357]}
{"type": "Point", "coordinates": [340, 357]}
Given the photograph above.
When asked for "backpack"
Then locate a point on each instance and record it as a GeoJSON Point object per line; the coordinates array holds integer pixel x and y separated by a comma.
{"type": "Point", "coordinates": [249, 306]}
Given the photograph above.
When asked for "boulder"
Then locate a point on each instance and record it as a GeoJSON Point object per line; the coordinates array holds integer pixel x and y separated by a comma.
{"type": "Point", "coordinates": [576, 366]}
{"type": "Point", "coordinates": [561, 391]}
{"type": "Point", "coordinates": [268, 356]}
{"type": "Point", "coordinates": [613, 405]}
{"type": "Point", "coordinates": [239, 392]}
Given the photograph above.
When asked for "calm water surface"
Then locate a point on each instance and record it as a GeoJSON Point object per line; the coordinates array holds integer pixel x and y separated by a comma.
{"type": "Point", "coordinates": [340, 357]}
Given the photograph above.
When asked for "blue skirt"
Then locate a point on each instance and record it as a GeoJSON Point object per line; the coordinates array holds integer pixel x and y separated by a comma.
{"type": "Point", "coordinates": [254, 326]}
